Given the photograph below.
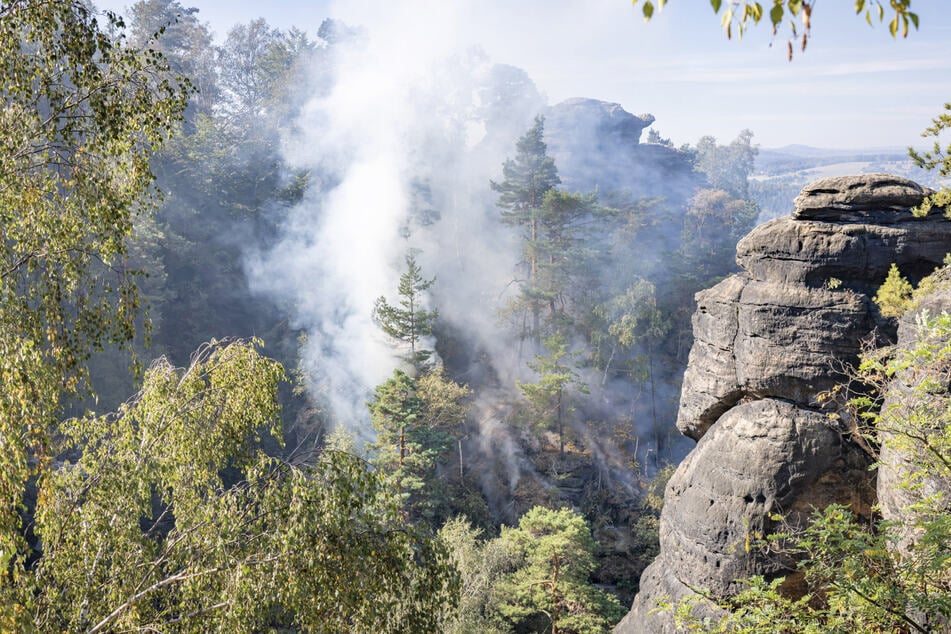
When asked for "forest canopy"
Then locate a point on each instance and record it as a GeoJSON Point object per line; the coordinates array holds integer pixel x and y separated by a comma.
{"type": "Point", "coordinates": [236, 394]}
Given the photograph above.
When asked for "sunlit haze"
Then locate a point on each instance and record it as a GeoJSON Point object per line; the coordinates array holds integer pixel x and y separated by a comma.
{"type": "Point", "coordinates": [853, 87]}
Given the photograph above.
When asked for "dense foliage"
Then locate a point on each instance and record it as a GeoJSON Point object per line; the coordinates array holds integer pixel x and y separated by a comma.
{"type": "Point", "coordinates": [82, 113]}
{"type": "Point", "coordinates": [173, 517]}
{"type": "Point", "coordinates": [167, 514]}
{"type": "Point", "coordinates": [200, 503]}
{"type": "Point", "coordinates": [532, 578]}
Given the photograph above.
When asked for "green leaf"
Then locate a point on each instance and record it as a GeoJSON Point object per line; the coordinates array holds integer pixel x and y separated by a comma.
{"type": "Point", "coordinates": [859, 5]}
{"type": "Point", "coordinates": [716, 5]}
{"type": "Point", "coordinates": [648, 10]}
{"type": "Point", "coordinates": [893, 26]}
{"type": "Point", "coordinates": [776, 14]}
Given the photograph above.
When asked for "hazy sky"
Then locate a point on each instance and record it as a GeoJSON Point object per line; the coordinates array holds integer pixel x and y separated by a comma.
{"type": "Point", "coordinates": [853, 87]}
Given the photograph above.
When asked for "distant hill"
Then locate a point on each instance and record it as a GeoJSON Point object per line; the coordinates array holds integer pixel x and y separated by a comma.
{"type": "Point", "coordinates": [797, 158]}
{"type": "Point", "coordinates": [781, 172]}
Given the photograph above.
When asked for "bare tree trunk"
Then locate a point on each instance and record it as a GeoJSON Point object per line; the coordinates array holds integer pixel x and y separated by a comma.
{"type": "Point", "coordinates": [402, 444]}
{"type": "Point", "coordinates": [561, 426]}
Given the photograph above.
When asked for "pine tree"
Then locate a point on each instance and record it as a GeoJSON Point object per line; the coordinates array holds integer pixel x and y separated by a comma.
{"type": "Point", "coordinates": [550, 222]}
{"type": "Point", "coordinates": [527, 178]}
{"type": "Point", "coordinates": [549, 588]}
{"type": "Point", "coordinates": [894, 295]}
{"type": "Point", "coordinates": [549, 399]}
{"type": "Point", "coordinates": [408, 321]}
{"type": "Point", "coordinates": [414, 421]}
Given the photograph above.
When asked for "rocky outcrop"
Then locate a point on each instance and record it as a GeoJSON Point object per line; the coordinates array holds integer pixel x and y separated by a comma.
{"type": "Point", "coordinates": [596, 145]}
{"type": "Point", "coordinates": [804, 299]}
{"type": "Point", "coordinates": [593, 121]}
{"type": "Point", "coordinates": [768, 341]}
{"type": "Point", "coordinates": [854, 198]}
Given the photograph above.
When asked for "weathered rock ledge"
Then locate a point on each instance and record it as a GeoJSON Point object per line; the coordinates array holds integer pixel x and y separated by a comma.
{"type": "Point", "coordinates": [768, 341]}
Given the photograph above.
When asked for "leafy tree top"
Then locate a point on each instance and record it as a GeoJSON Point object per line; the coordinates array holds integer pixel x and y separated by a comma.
{"type": "Point", "coordinates": [557, 557]}
{"type": "Point", "coordinates": [739, 15]}
{"type": "Point", "coordinates": [143, 533]}
{"type": "Point", "coordinates": [82, 114]}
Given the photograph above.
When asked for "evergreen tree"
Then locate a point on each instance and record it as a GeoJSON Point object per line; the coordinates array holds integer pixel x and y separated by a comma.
{"type": "Point", "coordinates": [549, 398]}
{"type": "Point", "coordinates": [938, 158]}
{"type": "Point", "coordinates": [563, 251]}
{"type": "Point", "coordinates": [409, 321]}
{"type": "Point", "coordinates": [894, 296]}
{"type": "Point", "coordinates": [526, 180]}
{"type": "Point", "coordinates": [414, 421]}
{"type": "Point", "coordinates": [552, 223]}
{"type": "Point", "coordinates": [550, 588]}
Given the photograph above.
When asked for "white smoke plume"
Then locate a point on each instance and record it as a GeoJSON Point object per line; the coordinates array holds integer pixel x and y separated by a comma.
{"type": "Point", "coordinates": [395, 140]}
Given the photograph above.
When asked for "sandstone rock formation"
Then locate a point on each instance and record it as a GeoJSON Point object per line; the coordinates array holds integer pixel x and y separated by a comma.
{"type": "Point", "coordinates": [596, 145]}
{"type": "Point", "coordinates": [767, 342]}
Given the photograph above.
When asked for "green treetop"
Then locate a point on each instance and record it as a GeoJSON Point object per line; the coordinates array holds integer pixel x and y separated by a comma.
{"type": "Point", "coordinates": [415, 420]}
{"type": "Point", "coordinates": [143, 532]}
{"type": "Point", "coordinates": [554, 555]}
{"type": "Point", "coordinates": [526, 180]}
{"type": "Point", "coordinates": [550, 223]}
{"type": "Point", "coordinates": [550, 401]}
{"type": "Point", "coordinates": [409, 321]}
{"type": "Point", "coordinates": [938, 158]}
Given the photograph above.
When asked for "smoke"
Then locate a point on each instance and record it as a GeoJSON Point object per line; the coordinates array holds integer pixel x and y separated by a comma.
{"type": "Point", "coordinates": [403, 144]}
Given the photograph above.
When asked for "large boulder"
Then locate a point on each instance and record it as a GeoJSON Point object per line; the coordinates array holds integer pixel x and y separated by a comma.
{"type": "Point", "coordinates": [852, 198]}
{"type": "Point", "coordinates": [756, 339]}
{"type": "Point", "coordinates": [858, 254]}
{"type": "Point", "coordinates": [586, 121]}
{"type": "Point", "coordinates": [762, 457]}
{"type": "Point", "coordinates": [767, 342]}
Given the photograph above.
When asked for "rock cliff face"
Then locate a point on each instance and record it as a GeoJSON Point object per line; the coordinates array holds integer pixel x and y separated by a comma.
{"type": "Point", "coordinates": [767, 342]}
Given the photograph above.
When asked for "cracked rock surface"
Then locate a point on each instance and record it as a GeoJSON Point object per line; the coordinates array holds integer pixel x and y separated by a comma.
{"type": "Point", "coordinates": [767, 342]}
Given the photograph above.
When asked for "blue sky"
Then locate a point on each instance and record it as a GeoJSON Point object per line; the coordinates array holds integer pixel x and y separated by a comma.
{"type": "Point", "coordinates": [854, 87]}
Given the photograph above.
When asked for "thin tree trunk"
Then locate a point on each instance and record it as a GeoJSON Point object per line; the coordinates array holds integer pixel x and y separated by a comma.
{"type": "Point", "coordinates": [561, 426]}
{"type": "Point", "coordinates": [654, 428]}
{"type": "Point", "coordinates": [554, 596]}
{"type": "Point", "coordinates": [402, 444]}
